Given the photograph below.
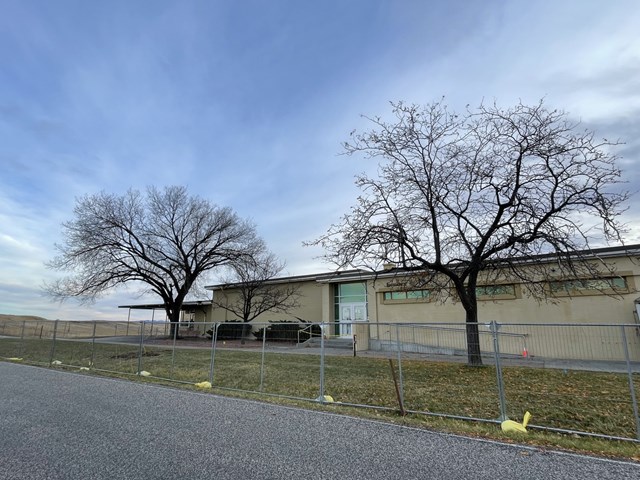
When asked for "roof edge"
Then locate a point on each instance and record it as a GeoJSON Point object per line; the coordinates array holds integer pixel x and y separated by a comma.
{"type": "Point", "coordinates": [361, 274]}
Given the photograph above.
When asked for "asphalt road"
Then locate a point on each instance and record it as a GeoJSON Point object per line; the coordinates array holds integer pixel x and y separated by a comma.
{"type": "Point", "coordinates": [60, 425]}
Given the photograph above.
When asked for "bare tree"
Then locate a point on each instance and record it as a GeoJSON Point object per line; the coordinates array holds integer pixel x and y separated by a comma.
{"type": "Point", "coordinates": [255, 290]}
{"type": "Point", "coordinates": [165, 241]}
{"type": "Point", "coordinates": [466, 198]}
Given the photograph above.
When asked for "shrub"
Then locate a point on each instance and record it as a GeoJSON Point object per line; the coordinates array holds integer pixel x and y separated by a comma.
{"type": "Point", "coordinates": [287, 331]}
{"type": "Point", "coordinates": [228, 330]}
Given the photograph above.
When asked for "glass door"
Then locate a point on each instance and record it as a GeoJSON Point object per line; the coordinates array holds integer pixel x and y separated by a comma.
{"type": "Point", "coordinates": [349, 313]}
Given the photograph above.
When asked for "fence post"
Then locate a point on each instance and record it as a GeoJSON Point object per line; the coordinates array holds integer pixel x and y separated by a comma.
{"type": "Point", "coordinates": [496, 350]}
{"type": "Point", "coordinates": [141, 347]}
{"type": "Point", "coordinates": [214, 339]}
{"type": "Point", "coordinates": [264, 338]}
{"type": "Point", "coordinates": [321, 395]}
{"type": "Point", "coordinates": [93, 346]}
{"type": "Point", "coordinates": [21, 350]}
{"type": "Point", "coordinates": [400, 366]}
{"type": "Point", "coordinates": [634, 400]}
{"type": "Point", "coordinates": [53, 342]}
{"type": "Point", "coordinates": [173, 350]}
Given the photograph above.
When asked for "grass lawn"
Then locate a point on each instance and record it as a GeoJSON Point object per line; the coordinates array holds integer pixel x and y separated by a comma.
{"type": "Point", "coordinates": [592, 402]}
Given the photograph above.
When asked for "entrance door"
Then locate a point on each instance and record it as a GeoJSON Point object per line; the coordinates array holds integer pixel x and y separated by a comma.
{"type": "Point", "coordinates": [349, 313]}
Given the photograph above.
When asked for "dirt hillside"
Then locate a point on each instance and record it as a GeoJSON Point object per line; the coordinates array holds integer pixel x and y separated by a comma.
{"type": "Point", "coordinates": [19, 318]}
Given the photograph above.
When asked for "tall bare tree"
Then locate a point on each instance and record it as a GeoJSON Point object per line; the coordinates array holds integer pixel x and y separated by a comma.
{"type": "Point", "coordinates": [165, 241]}
{"type": "Point", "coordinates": [256, 290]}
{"type": "Point", "coordinates": [467, 198]}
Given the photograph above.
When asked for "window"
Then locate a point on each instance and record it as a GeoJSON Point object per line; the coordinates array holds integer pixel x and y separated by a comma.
{"type": "Point", "coordinates": [406, 296]}
{"type": "Point", "coordinates": [496, 292]}
{"type": "Point", "coordinates": [589, 286]}
{"type": "Point", "coordinates": [348, 293]}
{"type": "Point", "coordinates": [351, 292]}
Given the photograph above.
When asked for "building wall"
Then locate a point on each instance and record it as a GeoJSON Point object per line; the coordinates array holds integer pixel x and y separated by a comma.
{"type": "Point", "coordinates": [594, 307]}
{"type": "Point", "coordinates": [597, 308]}
{"type": "Point", "coordinates": [310, 310]}
{"type": "Point", "coordinates": [570, 342]}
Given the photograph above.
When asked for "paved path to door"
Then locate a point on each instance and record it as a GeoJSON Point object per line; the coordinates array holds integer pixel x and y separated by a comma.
{"type": "Point", "coordinates": [60, 425]}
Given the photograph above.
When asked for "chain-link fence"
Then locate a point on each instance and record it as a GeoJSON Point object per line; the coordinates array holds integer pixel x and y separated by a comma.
{"type": "Point", "coordinates": [573, 378]}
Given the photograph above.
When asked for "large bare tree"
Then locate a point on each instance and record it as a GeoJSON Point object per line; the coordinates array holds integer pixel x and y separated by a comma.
{"type": "Point", "coordinates": [463, 199]}
{"type": "Point", "coordinates": [165, 241]}
{"type": "Point", "coordinates": [255, 288]}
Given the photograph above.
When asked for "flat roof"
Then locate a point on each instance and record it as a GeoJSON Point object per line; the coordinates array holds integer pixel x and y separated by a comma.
{"type": "Point", "coordinates": [317, 277]}
{"type": "Point", "coordinates": [160, 306]}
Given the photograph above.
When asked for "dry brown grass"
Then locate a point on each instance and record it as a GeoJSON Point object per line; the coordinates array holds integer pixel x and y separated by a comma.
{"type": "Point", "coordinates": [39, 327]}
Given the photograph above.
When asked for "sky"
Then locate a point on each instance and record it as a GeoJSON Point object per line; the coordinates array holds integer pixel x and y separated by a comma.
{"type": "Point", "coordinates": [246, 103]}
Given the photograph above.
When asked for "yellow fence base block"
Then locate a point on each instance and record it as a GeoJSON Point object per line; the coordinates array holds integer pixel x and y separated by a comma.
{"type": "Point", "coordinates": [144, 373]}
{"type": "Point", "coordinates": [56, 362]}
{"type": "Point", "coordinates": [325, 399]}
{"type": "Point", "coordinates": [511, 426]}
{"type": "Point", "coordinates": [204, 384]}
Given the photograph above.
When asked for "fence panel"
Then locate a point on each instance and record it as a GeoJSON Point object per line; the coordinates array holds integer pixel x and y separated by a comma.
{"type": "Point", "coordinates": [117, 353]}
{"type": "Point", "coordinates": [12, 338]}
{"type": "Point", "coordinates": [285, 368]}
{"type": "Point", "coordinates": [362, 380]}
{"type": "Point", "coordinates": [73, 345]}
{"type": "Point", "coordinates": [36, 346]}
{"type": "Point", "coordinates": [573, 378]}
{"type": "Point", "coordinates": [237, 359]}
{"type": "Point", "coordinates": [435, 376]}
{"type": "Point", "coordinates": [162, 359]}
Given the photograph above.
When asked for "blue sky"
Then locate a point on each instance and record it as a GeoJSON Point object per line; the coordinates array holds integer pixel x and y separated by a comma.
{"type": "Point", "coordinates": [246, 103]}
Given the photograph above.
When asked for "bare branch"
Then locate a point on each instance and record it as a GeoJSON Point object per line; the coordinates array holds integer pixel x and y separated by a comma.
{"type": "Point", "coordinates": [252, 280]}
{"type": "Point", "coordinates": [165, 240]}
{"type": "Point", "coordinates": [457, 195]}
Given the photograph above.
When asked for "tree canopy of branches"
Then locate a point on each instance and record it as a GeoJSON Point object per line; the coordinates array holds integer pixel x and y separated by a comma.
{"type": "Point", "coordinates": [468, 198]}
{"type": "Point", "coordinates": [165, 240]}
{"type": "Point", "coordinates": [251, 279]}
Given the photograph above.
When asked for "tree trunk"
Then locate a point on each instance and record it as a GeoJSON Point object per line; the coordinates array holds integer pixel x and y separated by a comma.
{"type": "Point", "coordinates": [473, 339]}
{"type": "Point", "coordinates": [173, 330]}
{"type": "Point", "coordinates": [246, 328]}
{"type": "Point", "coordinates": [174, 318]}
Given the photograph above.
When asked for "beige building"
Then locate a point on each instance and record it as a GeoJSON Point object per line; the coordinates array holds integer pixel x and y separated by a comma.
{"type": "Point", "coordinates": [382, 313]}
